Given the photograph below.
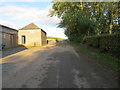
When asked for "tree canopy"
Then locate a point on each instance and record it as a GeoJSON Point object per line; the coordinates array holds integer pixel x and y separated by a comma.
{"type": "Point", "coordinates": [87, 18]}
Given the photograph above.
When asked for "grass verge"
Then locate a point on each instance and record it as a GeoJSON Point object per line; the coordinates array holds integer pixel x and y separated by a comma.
{"type": "Point", "coordinates": [106, 59]}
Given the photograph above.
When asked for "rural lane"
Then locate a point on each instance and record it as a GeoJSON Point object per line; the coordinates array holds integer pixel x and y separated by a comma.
{"type": "Point", "coordinates": [54, 66]}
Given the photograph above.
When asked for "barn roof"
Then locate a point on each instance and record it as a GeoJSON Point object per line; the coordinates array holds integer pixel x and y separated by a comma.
{"type": "Point", "coordinates": [30, 26]}
{"type": "Point", "coordinates": [8, 27]}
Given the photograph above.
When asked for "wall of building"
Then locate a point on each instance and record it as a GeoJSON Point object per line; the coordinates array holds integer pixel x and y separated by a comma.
{"type": "Point", "coordinates": [33, 37]}
{"type": "Point", "coordinates": [0, 34]}
{"type": "Point", "coordinates": [9, 37]}
{"type": "Point", "coordinates": [43, 38]}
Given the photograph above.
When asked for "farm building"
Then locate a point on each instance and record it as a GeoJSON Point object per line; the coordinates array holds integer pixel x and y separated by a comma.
{"type": "Point", "coordinates": [32, 35]}
{"type": "Point", "coordinates": [9, 36]}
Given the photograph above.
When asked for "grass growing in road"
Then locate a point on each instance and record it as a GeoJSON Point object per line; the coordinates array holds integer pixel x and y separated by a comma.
{"type": "Point", "coordinates": [106, 59]}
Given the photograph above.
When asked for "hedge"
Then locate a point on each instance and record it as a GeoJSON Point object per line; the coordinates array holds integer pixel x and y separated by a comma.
{"type": "Point", "coordinates": [105, 43]}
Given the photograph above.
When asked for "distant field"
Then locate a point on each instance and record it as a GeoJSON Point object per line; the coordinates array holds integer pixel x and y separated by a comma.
{"type": "Point", "coordinates": [55, 38]}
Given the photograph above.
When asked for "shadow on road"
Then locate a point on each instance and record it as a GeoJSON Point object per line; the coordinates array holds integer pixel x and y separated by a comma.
{"type": "Point", "coordinates": [11, 51]}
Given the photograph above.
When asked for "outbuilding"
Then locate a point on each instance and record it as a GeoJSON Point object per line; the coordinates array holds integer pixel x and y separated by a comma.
{"type": "Point", "coordinates": [32, 35]}
{"type": "Point", "coordinates": [9, 36]}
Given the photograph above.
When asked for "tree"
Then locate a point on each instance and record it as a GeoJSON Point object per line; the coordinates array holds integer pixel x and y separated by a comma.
{"type": "Point", "coordinates": [86, 18]}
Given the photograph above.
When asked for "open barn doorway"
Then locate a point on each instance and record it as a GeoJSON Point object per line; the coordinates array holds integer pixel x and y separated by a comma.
{"type": "Point", "coordinates": [23, 39]}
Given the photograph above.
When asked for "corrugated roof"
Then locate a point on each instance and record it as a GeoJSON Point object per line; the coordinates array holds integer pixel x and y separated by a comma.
{"type": "Point", "coordinates": [30, 26]}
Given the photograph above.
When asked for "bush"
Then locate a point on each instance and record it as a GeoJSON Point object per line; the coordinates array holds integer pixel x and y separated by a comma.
{"type": "Point", "coordinates": [110, 44]}
{"type": "Point", "coordinates": [105, 43]}
{"type": "Point", "coordinates": [93, 41]}
{"type": "Point", "coordinates": [76, 38]}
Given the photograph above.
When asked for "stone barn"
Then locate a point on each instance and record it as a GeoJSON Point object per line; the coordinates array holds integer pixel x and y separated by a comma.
{"type": "Point", "coordinates": [9, 36]}
{"type": "Point", "coordinates": [32, 35]}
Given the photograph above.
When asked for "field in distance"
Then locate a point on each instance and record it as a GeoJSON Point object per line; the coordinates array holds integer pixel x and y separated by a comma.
{"type": "Point", "coordinates": [55, 38]}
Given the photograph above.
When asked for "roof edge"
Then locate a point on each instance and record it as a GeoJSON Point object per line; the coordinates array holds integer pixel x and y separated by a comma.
{"type": "Point", "coordinates": [43, 31]}
{"type": "Point", "coordinates": [8, 27]}
{"type": "Point", "coordinates": [30, 29]}
{"type": "Point", "coordinates": [29, 25]}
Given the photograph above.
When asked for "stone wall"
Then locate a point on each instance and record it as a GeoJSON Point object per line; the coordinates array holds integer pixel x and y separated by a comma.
{"type": "Point", "coordinates": [43, 37]}
{"type": "Point", "coordinates": [9, 37]}
{"type": "Point", "coordinates": [33, 37]}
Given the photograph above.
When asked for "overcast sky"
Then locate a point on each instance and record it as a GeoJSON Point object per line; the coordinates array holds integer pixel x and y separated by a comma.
{"type": "Point", "coordinates": [19, 14]}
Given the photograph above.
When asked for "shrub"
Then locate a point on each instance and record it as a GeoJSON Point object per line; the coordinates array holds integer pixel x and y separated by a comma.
{"type": "Point", "coordinates": [92, 41]}
{"type": "Point", "coordinates": [110, 44]}
{"type": "Point", "coordinates": [76, 38]}
{"type": "Point", "coordinates": [105, 43]}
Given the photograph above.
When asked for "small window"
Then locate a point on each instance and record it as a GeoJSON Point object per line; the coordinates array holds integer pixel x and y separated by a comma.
{"type": "Point", "coordinates": [23, 39]}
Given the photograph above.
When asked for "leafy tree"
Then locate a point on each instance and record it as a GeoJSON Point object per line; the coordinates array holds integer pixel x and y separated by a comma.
{"type": "Point", "coordinates": [86, 18]}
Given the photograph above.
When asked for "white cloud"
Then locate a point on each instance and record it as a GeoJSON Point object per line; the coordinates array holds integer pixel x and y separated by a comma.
{"type": "Point", "coordinates": [26, 0]}
{"type": "Point", "coordinates": [7, 23]}
{"type": "Point", "coordinates": [29, 14]}
{"type": "Point", "coordinates": [52, 31]}
{"type": "Point", "coordinates": [59, 0]}
{"type": "Point", "coordinates": [19, 16]}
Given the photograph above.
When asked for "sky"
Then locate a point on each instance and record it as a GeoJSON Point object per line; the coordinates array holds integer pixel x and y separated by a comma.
{"type": "Point", "coordinates": [19, 14]}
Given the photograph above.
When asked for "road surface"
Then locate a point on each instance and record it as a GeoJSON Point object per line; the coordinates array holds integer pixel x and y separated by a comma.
{"type": "Point", "coordinates": [54, 66]}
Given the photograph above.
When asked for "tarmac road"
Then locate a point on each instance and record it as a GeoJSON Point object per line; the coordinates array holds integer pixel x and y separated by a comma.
{"type": "Point", "coordinates": [54, 66]}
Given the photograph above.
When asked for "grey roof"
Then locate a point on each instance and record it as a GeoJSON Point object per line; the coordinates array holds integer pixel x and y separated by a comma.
{"type": "Point", "coordinates": [8, 27]}
{"type": "Point", "coordinates": [30, 26]}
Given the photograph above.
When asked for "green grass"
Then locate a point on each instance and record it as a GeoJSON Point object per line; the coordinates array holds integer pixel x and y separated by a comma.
{"type": "Point", "coordinates": [110, 61]}
{"type": "Point", "coordinates": [81, 47]}
{"type": "Point", "coordinates": [55, 38]}
{"type": "Point", "coordinates": [106, 59]}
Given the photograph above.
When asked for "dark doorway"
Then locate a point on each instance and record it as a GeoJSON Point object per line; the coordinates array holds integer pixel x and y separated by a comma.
{"type": "Point", "coordinates": [23, 39]}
